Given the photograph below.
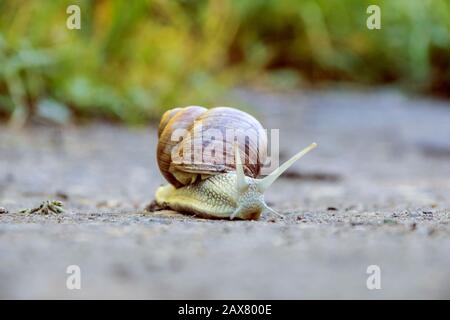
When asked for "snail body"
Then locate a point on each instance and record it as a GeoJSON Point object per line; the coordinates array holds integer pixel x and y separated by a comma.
{"type": "Point", "coordinates": [214, 187]}
{"type": "Point", "coordinates": [215, 197]}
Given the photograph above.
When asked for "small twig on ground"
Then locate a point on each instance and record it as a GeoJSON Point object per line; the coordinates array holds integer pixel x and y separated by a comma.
{"type": "Point", "coordinates": [46, 208]}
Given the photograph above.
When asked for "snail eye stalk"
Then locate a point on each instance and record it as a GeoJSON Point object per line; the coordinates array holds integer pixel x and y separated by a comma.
{"type": "Point", "coordinates": [265, 183]}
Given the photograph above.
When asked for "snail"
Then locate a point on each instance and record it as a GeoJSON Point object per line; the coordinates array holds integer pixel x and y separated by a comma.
{"type": "Point", "coordinates": [222, 185]}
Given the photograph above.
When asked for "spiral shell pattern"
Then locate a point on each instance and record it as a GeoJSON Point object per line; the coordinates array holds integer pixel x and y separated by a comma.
{"type": "Point", "coordinates": [195, 143]}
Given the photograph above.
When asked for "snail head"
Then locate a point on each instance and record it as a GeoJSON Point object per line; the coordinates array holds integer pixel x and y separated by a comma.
{"type": "Point", "coordinates": [250, 192]}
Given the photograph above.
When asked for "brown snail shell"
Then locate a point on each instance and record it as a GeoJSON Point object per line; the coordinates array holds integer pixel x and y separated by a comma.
{"type": "Point", "coordinates": [199, 122]}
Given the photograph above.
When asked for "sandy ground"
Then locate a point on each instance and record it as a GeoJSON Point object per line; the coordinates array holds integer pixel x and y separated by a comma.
{"type": "Point", "coordinates": [375, 192]}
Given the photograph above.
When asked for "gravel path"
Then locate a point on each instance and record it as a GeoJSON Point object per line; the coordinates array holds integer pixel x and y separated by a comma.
{"type": "Point", "coordinates": [375, 192]}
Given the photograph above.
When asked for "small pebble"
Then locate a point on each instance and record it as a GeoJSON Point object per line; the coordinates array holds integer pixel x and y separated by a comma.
{"type": "Point", "coordinates": [413, 214]}
{"type": "Point", "coordinates": [3, 210]}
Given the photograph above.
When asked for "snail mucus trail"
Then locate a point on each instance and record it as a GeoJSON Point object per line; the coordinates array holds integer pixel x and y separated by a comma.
{"type": "Point", "coordinates": [226, 193]}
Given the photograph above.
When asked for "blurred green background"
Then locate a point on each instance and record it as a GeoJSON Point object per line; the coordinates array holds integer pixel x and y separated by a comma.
{"type": "Point", "coordinates": [132, 60]}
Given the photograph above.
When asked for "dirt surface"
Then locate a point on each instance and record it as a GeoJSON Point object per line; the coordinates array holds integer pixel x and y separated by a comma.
{"type": "Point", "coordinates": [375, 192]}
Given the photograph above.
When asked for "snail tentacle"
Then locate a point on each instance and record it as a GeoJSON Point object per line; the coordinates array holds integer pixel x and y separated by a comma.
{"type": "Point", "coordinates": [270, 210]}
{"type": "Point", "coordinates": [265, 183]}
{"type": "Point", "coordinates": [235, 213]}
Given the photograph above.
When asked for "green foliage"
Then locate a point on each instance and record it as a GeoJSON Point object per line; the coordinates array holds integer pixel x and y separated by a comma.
{"type": "Point", "coordinates": [132, 60]}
